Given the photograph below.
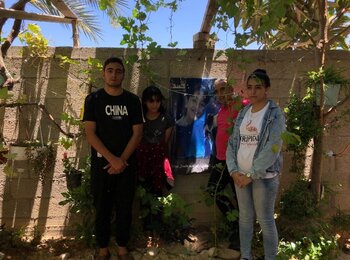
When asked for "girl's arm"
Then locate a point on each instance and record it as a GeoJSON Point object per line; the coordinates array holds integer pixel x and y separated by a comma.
{"type": "Point", "coordinates": [167, 135]}
{"type": "Point", "coordinates": [271, 149]}
{"type": "Point", "coordinates": [231, 151]}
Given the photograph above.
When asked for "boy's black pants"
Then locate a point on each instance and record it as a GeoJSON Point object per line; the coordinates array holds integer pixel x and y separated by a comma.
{"type": "Point", "coordinates": [112, 194]}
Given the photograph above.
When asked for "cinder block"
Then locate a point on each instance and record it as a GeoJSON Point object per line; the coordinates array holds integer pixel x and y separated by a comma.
{"type": "Point", "coordinates": [23, 188]}
{"type": "Point", "coordinates": [17, 209]}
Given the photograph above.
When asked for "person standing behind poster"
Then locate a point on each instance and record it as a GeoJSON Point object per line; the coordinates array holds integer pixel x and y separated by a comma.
{"type": "Point", "coordinates": [219, 177]}
{"type": "Point", "coordinates": [113, 126]}
{"type": "Point", "coordinates": [152, 152]}
{"type": "Point", "coordinates": [254, 161]}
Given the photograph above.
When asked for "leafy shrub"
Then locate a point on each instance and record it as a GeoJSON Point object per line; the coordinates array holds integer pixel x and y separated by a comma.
{"type": "Point", "coordinates": [166, 216]}
{"type": "Point", "coordinates": [80, 203]}
{"type": "Point", "coordinates": [298, 201]}
{"type": "Point", "coordinates": [306, 248]}
{"type": "Point", "coordinates": [302, 122]}
{"type": "Point", "coordinates": [341, 220]}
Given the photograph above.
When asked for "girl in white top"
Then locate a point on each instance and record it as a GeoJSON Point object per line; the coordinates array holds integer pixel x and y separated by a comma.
{"type": "Point", "coordinates": [254, 160]}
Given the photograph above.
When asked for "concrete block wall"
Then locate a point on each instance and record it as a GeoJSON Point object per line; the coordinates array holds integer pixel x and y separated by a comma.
{"type": "Point", "coordinates": [26, 202]}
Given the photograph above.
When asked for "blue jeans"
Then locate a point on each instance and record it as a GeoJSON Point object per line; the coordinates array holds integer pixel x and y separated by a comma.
{"type": "Point", "coordinates": [258, 198]}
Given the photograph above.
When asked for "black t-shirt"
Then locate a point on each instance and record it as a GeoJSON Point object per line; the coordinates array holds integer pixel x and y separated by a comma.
{"type": "Point", "coordinates": [114, 117]}
{"type": "Point", "coordinates": [154, 130]}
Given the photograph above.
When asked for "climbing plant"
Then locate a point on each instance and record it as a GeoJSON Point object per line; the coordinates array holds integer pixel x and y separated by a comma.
{"type": "Point", "coordinates": [137, 33]}
{"type": "Point", "coordinates": [34, 40]}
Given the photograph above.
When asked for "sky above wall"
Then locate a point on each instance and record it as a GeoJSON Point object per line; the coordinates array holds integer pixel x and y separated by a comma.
{"type": "Point", "coordinates": [186, 22]}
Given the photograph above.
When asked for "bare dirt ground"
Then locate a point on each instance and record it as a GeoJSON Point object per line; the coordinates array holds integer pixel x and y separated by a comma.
{"type": "Point", "coordinates": [199, 246]}
{"type": "Point", "coordinates": [71, 249]}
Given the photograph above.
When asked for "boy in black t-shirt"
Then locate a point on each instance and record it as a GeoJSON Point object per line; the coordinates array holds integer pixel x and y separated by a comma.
{"type": "Point", "coordinates": [113, 126]}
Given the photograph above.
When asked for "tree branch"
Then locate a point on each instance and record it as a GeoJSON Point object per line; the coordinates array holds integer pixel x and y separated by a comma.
{"type": "Point", "coordinates": [339, 15]}
{"type": "Point", "coordinates": [339, 104]}
{"type": "Point", "coordinates": [47, 113]}
{"type": "Point", "coordinates": [20, 5]}
{"type": "Point", "coordinates": [345, 31]}
{"type": "Point", "coordinates": [11, 37]}
{"type": "Point", "coordinates": [295, 20]}
{"type": "Point", "coordinates": [9, 80]}
{"type": "Point", "coordinates": [16, 6]}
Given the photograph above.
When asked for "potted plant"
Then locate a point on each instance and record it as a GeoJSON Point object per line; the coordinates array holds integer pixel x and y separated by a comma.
{"type": "Point", "coordinates": [42, 157]}
{"type": "Point", "coordinates": [333, 81]}
{"type": "Point", "coordinates": [21, 149]}
{"type": "Point", "coordinates": [73, 175]}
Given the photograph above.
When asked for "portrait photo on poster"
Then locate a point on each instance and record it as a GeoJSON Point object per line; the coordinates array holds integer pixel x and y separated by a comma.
{"type": "Point", "coordinates": [192, 105]}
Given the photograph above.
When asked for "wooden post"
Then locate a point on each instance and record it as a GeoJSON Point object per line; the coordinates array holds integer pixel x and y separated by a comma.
{"type": "Point", "coordinates": [201, 39]}
{"type": "Point", "coordinates": [75, 30]}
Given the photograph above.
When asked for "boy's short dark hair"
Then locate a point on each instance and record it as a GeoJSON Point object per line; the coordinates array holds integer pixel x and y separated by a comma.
{"type": "Point", "coordinates": [113, 60]}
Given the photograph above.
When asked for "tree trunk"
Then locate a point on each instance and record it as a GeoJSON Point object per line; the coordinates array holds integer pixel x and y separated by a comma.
{"type": "Point", "coordinates": [316, 173]}
{"type": "Point", "coordinates": [11, 37]}
{"type": "Point", "coordinates": [9, 80]}
{"type": "Point", "coordinates": [321, 48]}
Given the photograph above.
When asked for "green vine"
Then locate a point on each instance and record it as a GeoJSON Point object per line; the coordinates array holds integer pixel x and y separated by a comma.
{"type": "Point", "coordinates": [136, 28]}
{"type": "Point", "coordinates": [302, 123]}
{"type": "Point", "coordinates": [34, 39]}
{"type": "Point", "coordinates": [42, 157]}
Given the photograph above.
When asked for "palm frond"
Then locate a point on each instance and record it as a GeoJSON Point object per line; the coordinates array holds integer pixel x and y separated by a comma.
{"type": "Point", "coordinates": [114, 7]}
{"type": "Point", "coordinates": [85, 10]}
{"type": "Point", "coordinates": [46, 7]}
{"type": "Point", "coordinates": [87, 20]}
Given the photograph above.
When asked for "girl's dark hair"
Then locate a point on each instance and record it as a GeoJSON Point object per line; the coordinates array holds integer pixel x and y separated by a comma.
{"type": "Point", "coordinates": [262, 75]}
{"type": "Point", "coordinates": [148, 94]}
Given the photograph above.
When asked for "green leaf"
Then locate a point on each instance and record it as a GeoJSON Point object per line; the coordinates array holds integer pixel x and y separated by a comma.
{"type": "Point", "coordinates": [290, 138]}
{"type": "Point", "coordinates": [141, 16]}
{"type": "Point", "coordinates": [4, 94]}
{"type": "Point", "coordinates": [275, 148]}
{"type": "Point", "coordinates": [10, 156]}
{"type": "Point", "coordinates": [66, 142]}
{"type": "Point", "coordinates": [103, 4]}
{"type": "Point", "coordinates": [34, 28]}
{"type": "Point", "coordinates": [9, 171]}
{"type": "Point", "coordinates": [232, 215]}
{"type": "Point", "coordinates": [172, 44]}
{"type": "Point", "coordinates": [181, 53]}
